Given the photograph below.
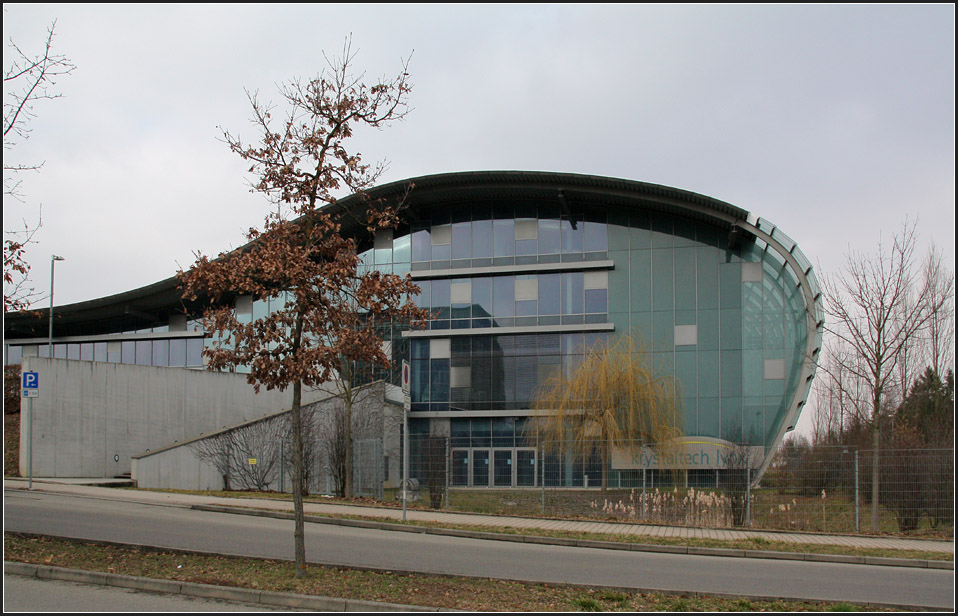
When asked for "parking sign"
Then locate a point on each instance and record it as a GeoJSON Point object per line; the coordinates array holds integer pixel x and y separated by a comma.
{"type": "Point", "coordinates": [30, 386]}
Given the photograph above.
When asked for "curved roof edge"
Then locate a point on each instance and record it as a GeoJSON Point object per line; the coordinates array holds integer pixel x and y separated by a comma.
{"type": "Point", "coordinates": [481, 184]}
{"type": "Point", "coordinates": [134, 309]}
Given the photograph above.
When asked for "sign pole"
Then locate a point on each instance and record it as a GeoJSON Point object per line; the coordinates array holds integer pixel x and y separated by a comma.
{"type": "Point", "coordinates": [30, 442]}
{"type": "Point", "coordinates": [405, 457]}
{"type": "Point", "coordinates": [407, 403]}
{"type": "Point", "coordinates": [30, 389]}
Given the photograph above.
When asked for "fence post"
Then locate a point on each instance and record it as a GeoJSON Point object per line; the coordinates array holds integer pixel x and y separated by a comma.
{"type": "Point", "coordinates": [748, 495]}
{"type": "Point", "coordinates": [643, 493]}
{"type": "Point", "coordinates": [542, 463]}
{"type": "Point", "coordinates": [857, 526]}
{"type": "Point", "coordinates": [448, 454]}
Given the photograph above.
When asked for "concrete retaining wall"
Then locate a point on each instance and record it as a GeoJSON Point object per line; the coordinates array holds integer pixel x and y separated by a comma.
{"type": "Point", "coordinates": [91, 417]}
{"type": "Point", "coordinates": [178, 466]}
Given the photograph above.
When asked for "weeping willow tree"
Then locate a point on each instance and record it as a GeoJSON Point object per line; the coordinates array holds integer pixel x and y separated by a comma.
{"type": "Point", "coordinates": [612, 399]}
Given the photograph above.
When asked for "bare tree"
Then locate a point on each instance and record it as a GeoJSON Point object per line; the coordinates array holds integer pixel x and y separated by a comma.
{"type": "Point", "coordinates": [27, 80]}
{"type": "Point", "coordinates": [940, 332]}
{"type": "Point", "coordinates": [356, 413]}
{"type": "Point", "coordinates": [247, 456]}
{"type": "Point", "coordinates": [839, 393]}
{"type": "Point", "coordinates": [877, 306]}
{"type": "Point", "coordinates": [333, 308]}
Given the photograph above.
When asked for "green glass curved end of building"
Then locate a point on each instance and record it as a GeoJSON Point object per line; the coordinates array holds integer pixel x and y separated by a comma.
{"type": "Point", "coordinates": [524, 271]}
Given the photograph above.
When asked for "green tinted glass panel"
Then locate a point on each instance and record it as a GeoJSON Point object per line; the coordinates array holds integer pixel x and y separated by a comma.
{"type": "Point", "coordinates": [685, 286]}
{"type": "Point", "coordinates": [662, 280]}
{"type": "Point", "coordinates": [731, 373]}
{"type": "Point", "coordinates": [708, 373]}
{"type": "Point", "coordinates": [640, 274]}
{"type": "Point", "coordinates": [707, 278]}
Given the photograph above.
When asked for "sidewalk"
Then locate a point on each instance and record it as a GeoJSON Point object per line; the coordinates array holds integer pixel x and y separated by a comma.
{"type": "Point", "coordinates": [96, 488]}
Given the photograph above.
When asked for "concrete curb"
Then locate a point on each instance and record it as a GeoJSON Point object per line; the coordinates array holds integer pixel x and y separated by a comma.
{"type": "Point", "coordinates": [583, 543]}
{"type": "Point", "coordinates": [209, 591]}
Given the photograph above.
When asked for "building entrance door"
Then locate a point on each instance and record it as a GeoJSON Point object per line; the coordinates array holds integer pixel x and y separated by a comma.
{"type": "Point", "coordinates": [499, 467]}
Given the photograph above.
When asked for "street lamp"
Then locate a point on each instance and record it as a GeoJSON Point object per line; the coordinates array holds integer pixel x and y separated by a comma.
{"type": "Point", "coordinates": [53, 260]}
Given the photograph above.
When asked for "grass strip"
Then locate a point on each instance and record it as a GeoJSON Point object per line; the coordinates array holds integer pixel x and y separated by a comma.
{"type": "Point", "coordinates": [459, 593]}
{"type": "Point", "coordinates": [752, 543]}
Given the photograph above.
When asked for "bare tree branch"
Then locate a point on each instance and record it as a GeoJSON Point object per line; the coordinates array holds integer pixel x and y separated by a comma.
{"type": "Point", "coordinates": [26, 80]}
{"type": "Point", "coordinates": [878, 308]}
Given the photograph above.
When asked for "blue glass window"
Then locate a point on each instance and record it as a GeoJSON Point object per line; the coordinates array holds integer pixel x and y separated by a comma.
{"type": "Point", "coordinates": [194, 352]}
{"type": "Point", "coordinates": [503, 296]}
{"type": "Point", "coordinates": [439, 380]}
{"type": "Point", "coordinates": [504, 238]}
{"type": "Point", "coordinates": [401, 248]}
{"type": "Point", "coordinates": [461, 240]}
{"type": "Point", "coordinates": [549, 237]}
{"type": "Point", "coordinates": [572, 287]}
{"type": "Point", "coordinates": [481, 239]}
{"type": "Point", "coordinates": [571, 235]}
{"type": "Point", "coordinates": [178, 352]}
{"type": "Point", "coordinates": [595, 237]}
{"type": "Point", "coordinates": [421, 245]}
{"type": "Point", "coordinates": [549, 294]}
{"type": "Point", "coordinates": [440, 298]}
{"type": "Point", "coordinates": [161, 352]}
{"type": "Point", "coordinates": [596, 301]}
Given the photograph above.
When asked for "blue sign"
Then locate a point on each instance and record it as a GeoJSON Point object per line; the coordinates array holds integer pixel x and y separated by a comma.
{"type": "Point", "coordinates": [31, 385]}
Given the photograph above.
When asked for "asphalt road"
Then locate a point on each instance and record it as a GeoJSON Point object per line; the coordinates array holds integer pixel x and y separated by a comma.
{"type": "Point", "coordinates": [26, 594]}
{"type": "Point", "coordinates": [177, 527]}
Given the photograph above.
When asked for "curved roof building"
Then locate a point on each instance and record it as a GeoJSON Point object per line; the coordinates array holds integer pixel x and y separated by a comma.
{"type": "Point", "coordinates": [524, 271]}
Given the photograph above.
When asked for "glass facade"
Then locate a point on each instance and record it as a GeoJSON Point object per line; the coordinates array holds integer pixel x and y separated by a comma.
{"type": "Point", "coordinates": [520, 288]}
{"type": "Point", "coordinates": [727, 319]}
{"type": "Point", "coordinates": [140, 347]}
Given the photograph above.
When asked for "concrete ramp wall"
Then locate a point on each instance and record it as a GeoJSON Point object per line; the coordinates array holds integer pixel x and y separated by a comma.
{"type": "Point", "coordinates": [91, 417]}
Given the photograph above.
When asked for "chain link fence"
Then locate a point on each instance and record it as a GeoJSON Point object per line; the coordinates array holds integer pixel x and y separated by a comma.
{"type": "Point", "coordinates": [825, 489]}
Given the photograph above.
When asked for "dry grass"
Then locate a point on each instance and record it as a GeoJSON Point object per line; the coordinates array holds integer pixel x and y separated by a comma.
{"type": "Point", "coordinates": [470, 594]}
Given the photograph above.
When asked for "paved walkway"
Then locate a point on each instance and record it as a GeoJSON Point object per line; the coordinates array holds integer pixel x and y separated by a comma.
{"type": "Point", "coordinates": [98, 489]}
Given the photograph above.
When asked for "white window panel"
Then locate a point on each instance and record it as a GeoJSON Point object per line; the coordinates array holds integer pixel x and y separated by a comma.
{"type": "Point", "coordinates": [686, 334]}
{"type": "Point", "coordinates": [527, 229]}
{"type": "Point", "coordinates": [527, 287]}
{"type": "Point", "coordinates": [774, 369]}
{"type": "Point", "coordinates": [596, 280]}
{"type": "Point", "coordinates": [460, 292]}
{"type": "Point", "coordinates": [751, 272]}
{"type": "Point", "coordinates": [439, 348]}
{"type": "Point", "coordinates": [460, 376]}
{"type": "Point", "coordinates": [441, 234]}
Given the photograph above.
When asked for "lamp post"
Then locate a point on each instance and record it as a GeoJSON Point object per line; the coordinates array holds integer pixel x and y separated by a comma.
{"type": "Point", "coordinates": [53, 260]}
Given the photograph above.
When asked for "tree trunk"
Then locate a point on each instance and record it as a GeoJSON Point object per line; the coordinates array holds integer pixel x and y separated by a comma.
{"type": "Point", "coordinates": [299, 539]}
{"type": "Point", "coordinates": [348, 403]}
{"type": "Point", "coordinates": [876, 461]}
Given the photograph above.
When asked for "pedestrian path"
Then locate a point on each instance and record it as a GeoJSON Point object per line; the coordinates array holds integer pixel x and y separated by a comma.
{"type": "Point", "coordinates": [98, 489]}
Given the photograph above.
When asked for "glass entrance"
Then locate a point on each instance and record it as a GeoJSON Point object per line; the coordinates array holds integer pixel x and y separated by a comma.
{"type": "Point", "coordinates": [499, 467]}
{"type": "Point", "coordinates": [503, 467]}
{"type": "Point", "coordinates": [525, 467]}
{"type": "Point", "coordinates": [480, 467]}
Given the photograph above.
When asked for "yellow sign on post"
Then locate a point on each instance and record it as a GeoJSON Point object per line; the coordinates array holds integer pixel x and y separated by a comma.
{"type": "Point", "coordinates": [252, 461]}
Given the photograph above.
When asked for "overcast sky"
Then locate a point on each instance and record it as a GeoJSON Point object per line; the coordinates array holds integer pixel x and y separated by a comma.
{"type": "Point", "coordinates": [833, 121]}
